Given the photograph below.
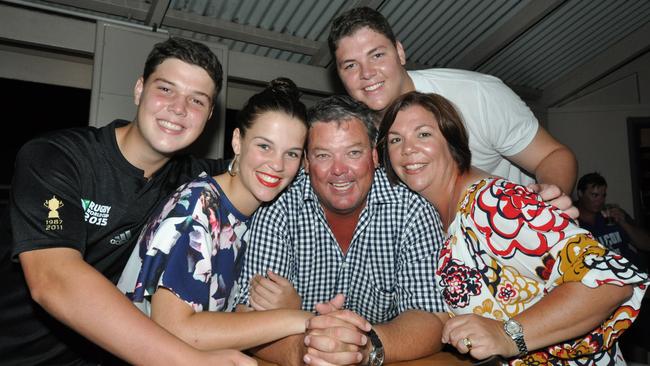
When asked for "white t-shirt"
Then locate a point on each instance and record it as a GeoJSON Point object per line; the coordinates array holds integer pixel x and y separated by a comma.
{"type": "Point", "coordinates": [499, 123]}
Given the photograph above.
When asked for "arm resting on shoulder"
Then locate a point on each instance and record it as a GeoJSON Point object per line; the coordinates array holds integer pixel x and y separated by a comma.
{"type": "Point", "coordinates": [210, 330]}
{"type": "Point", "coordinates": [549, 160]}
{"type": "Point", "coordinates": [74, 292]}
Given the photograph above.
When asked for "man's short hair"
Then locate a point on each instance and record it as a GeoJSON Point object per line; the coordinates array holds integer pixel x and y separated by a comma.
{"type": "Point", "coordinates": [354, 19]}
{"type": "Point", "coordinates": [591, 179]}
{"type": "Point", "coordinates": [342, 108]}
{"type": "Point", "coordinates": [193, 53]}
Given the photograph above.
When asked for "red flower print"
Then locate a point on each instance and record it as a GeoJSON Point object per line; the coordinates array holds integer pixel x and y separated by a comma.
{"type": "Point", "coordinates": [507, 292]}
{"type": "Point", "coordinates": [545, 271]}
{"type": "Point", "coordinates": [459, 283]}
{"type": "Point", "coordinates": [505, 208]}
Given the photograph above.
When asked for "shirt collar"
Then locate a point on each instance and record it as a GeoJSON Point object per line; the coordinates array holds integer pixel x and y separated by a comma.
{"type": "Point", "coordinates": [381, 191]}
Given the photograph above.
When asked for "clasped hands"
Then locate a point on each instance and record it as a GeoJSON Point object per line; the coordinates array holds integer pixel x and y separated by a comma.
{"type": "Point", "coordinates": [335, 336]}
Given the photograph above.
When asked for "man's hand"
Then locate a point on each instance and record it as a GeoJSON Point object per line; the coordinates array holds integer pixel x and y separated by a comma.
{"type": "Point", "coordinates": [552, 194]}
{"type": "Point", "coordinates": [617, 214]}
{"type": "Point", "coordinates": [336, 336]}
{"type": "Point", "coordinates": [274, 292]}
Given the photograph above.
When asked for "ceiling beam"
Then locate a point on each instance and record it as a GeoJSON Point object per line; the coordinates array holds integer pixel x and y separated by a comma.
{"type": "Point", "coordinates": [584, 75]}
{"type": "Point", "coordinates": [239, 32]}
{"type": "Point", "coordinates": [261, 70]}
{"type": "Point", "coordinates": [201, 24]}
{"type": "Point", "coordinates": [322, 56]}
{"type": "Point", "coordinates": [21, 25]}
{"type": "Point", "coordinates": [530, 14]}
{"type": "Point", "coordinates": [135, 9]}
{"type": "Point", "coordinates": [156, 13]}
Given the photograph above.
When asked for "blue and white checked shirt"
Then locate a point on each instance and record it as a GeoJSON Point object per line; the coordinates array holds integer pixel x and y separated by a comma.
{"type": "Point", "coordinates": [389, 267]}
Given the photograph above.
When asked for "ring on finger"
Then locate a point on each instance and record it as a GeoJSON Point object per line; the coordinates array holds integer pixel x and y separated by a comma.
{"type": "Point", "coordinates": [467, 342]}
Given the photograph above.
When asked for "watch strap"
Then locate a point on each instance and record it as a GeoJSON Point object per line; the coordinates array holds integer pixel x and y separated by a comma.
{"type": "Point", "coordinates": [376, 355]}
{"type": "Point", "coordinates": [521, 345]}
{"type": "Point", "coordinates": [517, 337]}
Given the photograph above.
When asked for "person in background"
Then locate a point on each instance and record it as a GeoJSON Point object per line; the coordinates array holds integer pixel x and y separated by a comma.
{"type": "Point", "coordinates": [616, 230]}
{"type": "Point", "coordinates": [189, 254]}
{"type": "Point", "coordinates": [504, 135]}
{"type": "Point", "coordinates": [520, 278]}
{"type": "Point", "coordinates": [341, 229]}
{"type": "Point", "coordinates": [79, 198]}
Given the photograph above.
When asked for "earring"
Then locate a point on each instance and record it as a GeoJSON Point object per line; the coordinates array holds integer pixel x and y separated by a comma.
{"type": "Point", "coordinates": [232, 170]}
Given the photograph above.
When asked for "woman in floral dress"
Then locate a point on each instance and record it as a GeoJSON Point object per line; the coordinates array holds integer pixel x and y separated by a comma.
{"type": "Point", "coordinates": [521, 280]}
{"type": "Point", "coordinates": [189, 255]}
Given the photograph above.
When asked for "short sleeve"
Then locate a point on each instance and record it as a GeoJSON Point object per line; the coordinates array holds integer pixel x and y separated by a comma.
{"type": "Point", "coordinates": [506, 119]}
{"type": "Point", "coordinates": [421, 243]}
{"type": "Point", "coordinates": [268, 247]}
{"type": "Point", "coordinates": [188, 249]}
{"type": "Point", "coordinates": [45, 199]}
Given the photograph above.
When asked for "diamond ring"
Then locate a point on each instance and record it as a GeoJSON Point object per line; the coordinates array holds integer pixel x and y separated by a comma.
{"type": "Point", "coordinates": [468, 343]}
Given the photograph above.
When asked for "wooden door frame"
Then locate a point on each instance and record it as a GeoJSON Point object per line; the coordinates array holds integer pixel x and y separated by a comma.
{"type": "Point", "coordinates": [634, 126]}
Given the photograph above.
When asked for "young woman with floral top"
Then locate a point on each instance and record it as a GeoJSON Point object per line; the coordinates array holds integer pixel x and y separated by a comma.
{"type": "Point", "coordinates": [189, 254]}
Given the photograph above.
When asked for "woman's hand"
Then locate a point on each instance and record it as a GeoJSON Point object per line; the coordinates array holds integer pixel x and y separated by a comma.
{"type": "Point", "coordinates": [480, 337]}
{"type": "Point", "coordinates": [273, 292]}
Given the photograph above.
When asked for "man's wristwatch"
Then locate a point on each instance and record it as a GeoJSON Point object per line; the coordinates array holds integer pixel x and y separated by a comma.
{"type": "Point", "coordinates": [515, 331]}
{"type": "Point", "coordinates": [376, 355]}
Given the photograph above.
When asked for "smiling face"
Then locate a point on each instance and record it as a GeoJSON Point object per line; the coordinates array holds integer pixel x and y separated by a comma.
{"type": "Point", "coordinates": [341, 164]}
{"type": "Point", "coordinates": [270, 153]}
{"type": "Point", "coordinates": [174, 104]}
{"type": "Point", "coordinates": [419, 153]}
{"type": "Point", "coordinates": [372, 69]}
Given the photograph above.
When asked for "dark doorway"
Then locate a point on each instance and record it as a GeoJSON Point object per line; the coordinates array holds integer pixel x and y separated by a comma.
{"type": "Point", "coordinates": [638, 130]}
{"type": "Point", "coordinates": [34, 109]}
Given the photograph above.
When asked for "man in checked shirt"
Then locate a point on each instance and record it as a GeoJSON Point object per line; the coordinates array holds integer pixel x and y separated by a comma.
{"type": "Point", "coordinates": [341, 228]}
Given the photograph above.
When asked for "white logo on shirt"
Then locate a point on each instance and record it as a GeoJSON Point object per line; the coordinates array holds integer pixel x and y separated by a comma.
{"type": "Point", "coordinates": [94, 213]}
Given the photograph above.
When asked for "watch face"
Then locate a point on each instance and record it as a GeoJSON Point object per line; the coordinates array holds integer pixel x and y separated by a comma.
{"type": "Point", "coordinates": [377, 358]}
{"type": "Point", "coordinates": [512, 327]}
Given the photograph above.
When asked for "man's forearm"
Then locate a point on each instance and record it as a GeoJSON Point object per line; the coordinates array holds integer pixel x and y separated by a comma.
{"type": "Point", "coordinates": [638, 236]}
{"type": "Point", "coordinates": [560, 168]}
{"type": "Point", "coordinates": [286, 351]}
{"type": "Point", "coordinates": [413, 334]}
{"type": "Point", "coordinates": [59, 281]}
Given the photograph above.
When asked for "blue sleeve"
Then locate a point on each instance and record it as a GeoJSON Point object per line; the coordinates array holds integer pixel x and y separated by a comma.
{"type": "Point", "coordinates": [176, 251]}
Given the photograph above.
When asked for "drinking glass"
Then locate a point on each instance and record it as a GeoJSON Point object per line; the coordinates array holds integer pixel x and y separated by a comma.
{"type": "Point", "coordinates": [606, 212]}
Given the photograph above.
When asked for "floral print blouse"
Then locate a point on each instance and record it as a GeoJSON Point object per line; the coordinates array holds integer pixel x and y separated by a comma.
{"type": "Point", "coordinates": [193, 246]}
{"type": "Point", "coordinates": [506, 249]}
